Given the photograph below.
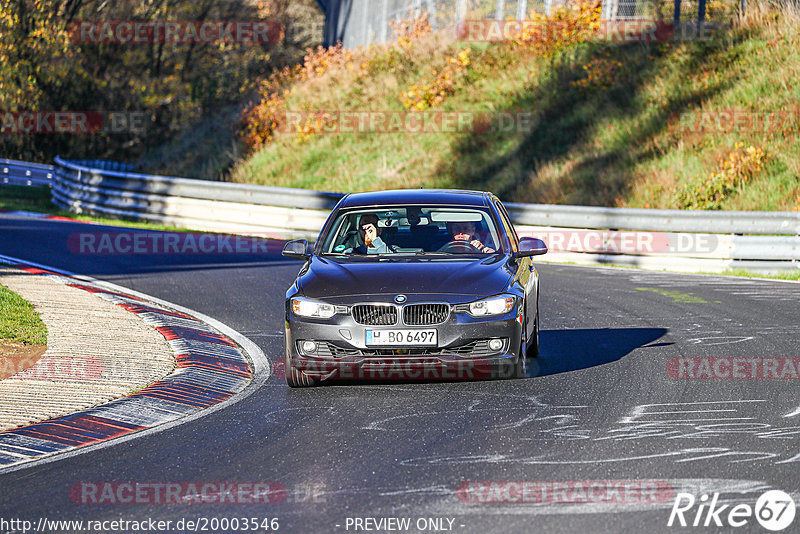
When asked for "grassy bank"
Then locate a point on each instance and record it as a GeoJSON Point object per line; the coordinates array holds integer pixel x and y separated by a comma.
{"type": "Point", "coordinates": [614, 124]}
{"type": "Point", "coordinates": [19, 322]}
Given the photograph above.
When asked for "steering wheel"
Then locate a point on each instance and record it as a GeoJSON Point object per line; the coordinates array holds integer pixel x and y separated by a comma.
{"type": "Point", "coordinates": [458, 246]}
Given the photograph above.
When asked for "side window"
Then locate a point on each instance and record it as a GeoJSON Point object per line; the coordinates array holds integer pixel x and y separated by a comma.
{"type": "Point", "coordinates": [509, 228]}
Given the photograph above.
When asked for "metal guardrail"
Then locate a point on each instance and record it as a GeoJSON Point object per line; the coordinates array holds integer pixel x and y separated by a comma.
{"type": "Point", "coordinates": [196, 189]}
{"type": "Point", "coordinates": [14, 172]}
{"type": "Point", "coordinates": [196, 204]}
{"type": "Point", "coordinates": [107, 165]}
{"type": "Point", "coordinates": [714, 222]}
{"type": "Point", "coordinates": [682, 240]}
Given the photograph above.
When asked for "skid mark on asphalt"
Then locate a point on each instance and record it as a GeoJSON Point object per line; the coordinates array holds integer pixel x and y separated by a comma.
{"type": "Point", "coordinates": [261, 333]}
{"type": "Point", "coordinates": [680, 456]}
{"type": "Point", "coordinates": [719, 340]}
{"type": "Point", "coordinates": [646, 413]}
{"type": "Point", "coordinates": [546, 497]}
{"type": "Point", "coordinates": [532, 409]}
{"type": "Point", "coordinates": [752, 289]}
{"type": "Point", "coordinates": [741, 431]}
{"type": "Point", "coordinates": [714, 330]}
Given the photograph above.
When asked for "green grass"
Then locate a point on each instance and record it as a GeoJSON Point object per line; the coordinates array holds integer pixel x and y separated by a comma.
{"type": "Point", "coordinates": [609, 143]}
{"type": "Point", "coordinates": [37, 200]}
{"type": "Point", "coordinates": [21, 198]}
{"type": "Point", "coordinates": [676, 296]}
{"type": "Point", "coordinates": [19, 322]}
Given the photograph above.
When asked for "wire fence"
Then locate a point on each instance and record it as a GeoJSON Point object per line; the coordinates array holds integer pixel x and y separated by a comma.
{"type": "Point", "coordinates": [361, 22]}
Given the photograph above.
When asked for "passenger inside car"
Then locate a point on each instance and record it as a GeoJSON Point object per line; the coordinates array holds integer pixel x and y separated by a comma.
{"type": "Point", "coordinates": [370, 231]}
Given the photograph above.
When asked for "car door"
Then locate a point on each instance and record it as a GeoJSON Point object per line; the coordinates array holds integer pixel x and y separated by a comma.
{"type": "Point", "coordinates": [525, 275]}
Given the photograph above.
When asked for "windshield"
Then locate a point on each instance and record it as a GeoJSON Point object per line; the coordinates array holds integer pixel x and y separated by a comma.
{"type": "Point", "coordinates": [413, 230]}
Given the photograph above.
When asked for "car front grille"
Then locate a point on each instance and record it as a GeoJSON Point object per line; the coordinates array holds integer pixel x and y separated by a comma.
{"type": "Point", "coordinates": [474, 349]}
{"type": "Point", "coordinates": [425, 314]}
{"type": "Point", "coordinates": [375, 314]}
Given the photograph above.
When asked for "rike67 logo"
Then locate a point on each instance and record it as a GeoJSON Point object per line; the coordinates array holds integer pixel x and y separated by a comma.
{"type": "Point", "coordinates": [774, 510]}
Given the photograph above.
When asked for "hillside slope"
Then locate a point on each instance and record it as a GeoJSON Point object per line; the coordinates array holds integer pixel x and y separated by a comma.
{"type": "Point", "coordinates": [686, 123]}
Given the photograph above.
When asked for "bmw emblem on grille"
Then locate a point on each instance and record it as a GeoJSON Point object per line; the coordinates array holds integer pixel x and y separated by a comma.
{"type": "Point", "coordinates": [400, 299]}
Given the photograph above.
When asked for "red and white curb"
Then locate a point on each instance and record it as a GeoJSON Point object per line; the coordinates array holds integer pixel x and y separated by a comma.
{"type": "Point", "coordinates": [216, 367]}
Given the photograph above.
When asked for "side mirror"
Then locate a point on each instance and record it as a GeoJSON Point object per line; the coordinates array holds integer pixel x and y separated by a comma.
{"type": "Point", "coordinates": [531, 246]}
{"type": "Point", "coordinates": [297, 249]}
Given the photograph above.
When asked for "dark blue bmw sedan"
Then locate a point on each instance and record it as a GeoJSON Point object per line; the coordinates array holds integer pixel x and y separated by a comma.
{"type": "Point", "coordinates": [413, 285]}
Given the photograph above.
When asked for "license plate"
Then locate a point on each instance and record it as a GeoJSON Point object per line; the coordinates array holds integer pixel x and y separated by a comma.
{"type": "Point", "coordinates": [405, 338]}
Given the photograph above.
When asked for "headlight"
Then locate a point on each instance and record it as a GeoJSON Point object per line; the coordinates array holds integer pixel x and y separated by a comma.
{"type": "Point", "coordinates": [491, 306]}
{"type": "Point", "coordinates": [312, 308]}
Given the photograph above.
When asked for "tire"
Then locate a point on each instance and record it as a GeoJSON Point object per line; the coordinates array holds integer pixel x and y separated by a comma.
{"type": "Point", "coordinates": [296, 378]}
{"type": "Point", "coordinates": [533, 346]}
{"type": "Point", "coordinates": [520, 363]}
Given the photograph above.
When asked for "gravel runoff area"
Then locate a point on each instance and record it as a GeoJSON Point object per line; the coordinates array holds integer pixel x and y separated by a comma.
{"type": "Point", "coordinates": [96, 352]}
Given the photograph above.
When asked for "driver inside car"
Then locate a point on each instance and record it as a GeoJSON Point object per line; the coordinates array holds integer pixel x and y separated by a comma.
{"type": "Point", "coordinates": [370, 233]}
{"type": "Point", "coordinates": [465, 231]}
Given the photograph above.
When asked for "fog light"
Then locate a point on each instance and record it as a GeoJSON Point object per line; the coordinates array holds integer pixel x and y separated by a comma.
{"type": "Point", "coordinates": [309, 347]}
{"type": "Point", "coordinates": [495, 344]}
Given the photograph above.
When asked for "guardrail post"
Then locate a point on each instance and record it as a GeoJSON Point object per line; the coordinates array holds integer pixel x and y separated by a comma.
{"type": "Point", "coordinates": [795, 259]}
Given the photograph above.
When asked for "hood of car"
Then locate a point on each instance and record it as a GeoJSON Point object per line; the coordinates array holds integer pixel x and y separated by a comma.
{"type": "Point", "coordinates": [332, 277]}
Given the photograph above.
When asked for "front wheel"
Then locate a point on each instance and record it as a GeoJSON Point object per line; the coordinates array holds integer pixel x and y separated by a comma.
{"type": "Point", "coordinates": [520, 365]}
{"type": "Point", "coordinates": [533, 346]}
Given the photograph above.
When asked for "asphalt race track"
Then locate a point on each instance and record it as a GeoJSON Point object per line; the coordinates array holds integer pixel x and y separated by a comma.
{"type": "Point", "coordinates": [602, 407]}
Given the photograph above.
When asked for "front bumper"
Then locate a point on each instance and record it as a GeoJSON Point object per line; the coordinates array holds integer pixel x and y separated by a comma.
{"type": "Point", "coordinates": [347, 357]}
{"type": "Point", "coordinates": [407, 369]}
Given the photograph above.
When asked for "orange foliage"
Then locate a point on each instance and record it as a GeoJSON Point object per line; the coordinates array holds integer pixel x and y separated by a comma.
{"type": "Point", "coordinates": [408, 31]}
{"type": "Point", "coordinates": [600, 73]}
{"type": "Point", "coordinates": [262, 120]}
{"type": "Point", "coordinates": [575, 23]}
{"type": "Point", "coordinates": [431, 93]}
{"type": "Point", "coordinates": [741, 165]}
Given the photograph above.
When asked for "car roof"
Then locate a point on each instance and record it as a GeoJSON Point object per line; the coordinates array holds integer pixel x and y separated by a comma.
{"type": "Point", "coordinates": [416, 196]}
